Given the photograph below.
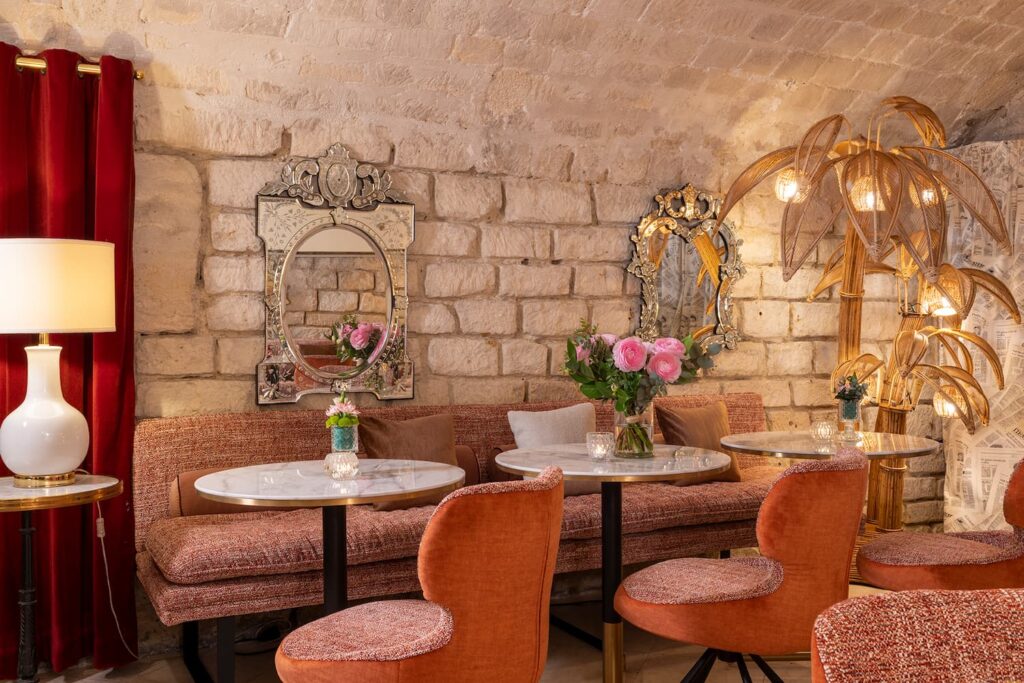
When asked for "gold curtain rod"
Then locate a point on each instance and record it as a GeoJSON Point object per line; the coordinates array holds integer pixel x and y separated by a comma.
{"type": "Point", "coordinates": [39, 64]}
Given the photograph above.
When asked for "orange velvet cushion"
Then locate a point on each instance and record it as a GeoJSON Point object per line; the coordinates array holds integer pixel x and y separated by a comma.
{"type": "Point", "coordinates": [423, 438]}
{"type": "Point", "coordinates": [701, 427]}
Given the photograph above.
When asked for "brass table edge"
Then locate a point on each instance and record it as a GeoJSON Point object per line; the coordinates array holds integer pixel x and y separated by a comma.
{"type": "Point", "coordinates": [622, 478]}
{"type": "Point", "coordinates": [821, 456]}
{"type": "Point", "coordinates": [69, 500]}
{"type": "Point", "coordinates": [332, 502]}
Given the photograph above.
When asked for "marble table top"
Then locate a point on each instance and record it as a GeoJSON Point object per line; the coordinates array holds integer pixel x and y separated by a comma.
{"type": "Point", "coordinates": [803, 445]}
{"type": "Point", "coordinates": [669, 463]}
{"type": "Point", "coordinates": [305, 484]}
{"type": "Point", "coordinates": [88, 488]}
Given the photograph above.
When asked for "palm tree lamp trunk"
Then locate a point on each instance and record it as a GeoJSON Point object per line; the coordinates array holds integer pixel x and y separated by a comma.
{"type": "Point", "coordinates": [50, 286]}
{"type": "Point", "coordinates": [893, 203]}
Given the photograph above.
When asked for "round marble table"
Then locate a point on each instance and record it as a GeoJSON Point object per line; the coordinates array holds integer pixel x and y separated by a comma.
{"type": "Point", "coordinates": [305, 484]}
{"type": "Point", "coordinates": [670, 463]}
{"type": "Point", "coordinates": [802, 445]}
{"type": "Point", "coordinates": [86, 489]}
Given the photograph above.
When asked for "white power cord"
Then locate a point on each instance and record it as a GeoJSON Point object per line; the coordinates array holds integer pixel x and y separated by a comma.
{"type": "Point", "coordinates": [101, 533]}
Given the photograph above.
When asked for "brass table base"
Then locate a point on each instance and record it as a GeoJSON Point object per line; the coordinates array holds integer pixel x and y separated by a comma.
{"type": "Point", "coordinates": [42, 481]}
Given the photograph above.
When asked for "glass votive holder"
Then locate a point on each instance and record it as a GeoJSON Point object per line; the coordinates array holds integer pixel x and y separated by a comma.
{"type": "Point", "coordinates": [341, 465]}
{"type": "Point", "coordinates": [823, 431]}
{"type": "Point", "coordinates": [600, 445]}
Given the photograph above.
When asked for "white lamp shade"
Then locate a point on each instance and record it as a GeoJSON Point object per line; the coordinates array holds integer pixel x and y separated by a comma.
{"type": "Point", "coordinates": [56, 285]}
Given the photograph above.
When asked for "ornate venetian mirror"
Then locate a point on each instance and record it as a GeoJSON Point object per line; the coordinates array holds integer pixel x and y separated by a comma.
{"type": "Point", "coordinates": [336, 239]}
{"type": "Point", "coordinates": [687, 268]}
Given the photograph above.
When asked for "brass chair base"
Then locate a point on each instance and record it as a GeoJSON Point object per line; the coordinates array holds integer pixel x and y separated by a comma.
{"type": "Point", "coordinates": [41, 481]}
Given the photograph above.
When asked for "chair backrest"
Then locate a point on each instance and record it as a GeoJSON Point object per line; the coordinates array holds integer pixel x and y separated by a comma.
{"type": "Point", "coordinates": [488, 556]}
{"type": "Point", "coordinates": [1013, 503]}
{"type": "Point", "coordinates": [809, 522]}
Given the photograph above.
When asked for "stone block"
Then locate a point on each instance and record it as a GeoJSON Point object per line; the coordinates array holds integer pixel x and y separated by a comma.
{"type": "Point", "coordinates": [234, 232]}
{"type": "Point", "coordinates": [435, 150]}
{"type": "Point", "coordinates": [444, 239]}
{"type": "Point", "coordinates": [748, 359]}
{"type": "Point", "coordinates": [812, 393]}
{"type": "Point", "coordinates": [427, 318]}
{"type": "Point", "coordinates": [489, 390]}
{"type": "Point", "coordinates": [598, 280]}
{"type": "Point", "coordinates": [615, 316]}
{"type": "Point", "coordinates": [366, 142]}
{"type": "Point", "coordinates": [790, 358]}
{"type": "Point", "coordinates": [240, 355]}
{"type": "Point", "coordinates": [593, 244]}
{"type": "Point", "coordinates": [180, 356]}
{"type": "Point", "coordinates": [172, 398]}
{"type": "Point", "coordinates": [372, 303]}
{"type": "Point", "coordinates": [235, 182]}
{"type": "Point", "coordinates": [356, 280]}
{"type": "Point", "coordinates": [788, 420]}
{"type": "Point", "coordinates": [233, 274]}
{"type": "Point", "coordinates": [338, 302]}
{"type": "Point", "coordinates": [923, 512]}
{"type": "Point", "coordinates": [775, 393]}
{"type": "Point", "coordinates": [526, 281]}
{"type": "Point", "coordinates": [236, 312]}
{"type": "Point", "coordinates": [413, 186]}
{"type": "Point", "coordinates": [539, 201]}
{"type": "Point", "coordinates": [553, 318]}
{"type": "Point", "coordinates": [523, 357]}
{"type": "Point", "coordinates": [623, 203]}
{"type": "Point", "coordinates": [922, 488]}
{"type": "Point", "coordinates": [168, 220]}
{"type": "Point", "coordinates": [486, 316]}
{"type": "Point", "coordinates": [545, 390]}
{"type": "Point", "coordinates": [463, 357]}
{"type": "Point", "coordinates": [818, 319]}
{"type": "Point", "coordinates": [825, 357]}
{"type": "Point", "coordinates": [458, 279]}
{"type": "Point", "coordinates": [465, 197]}
{"type": "Point", "coordinates": [764, 318]}
{"type": "Point", "coordinates": [509, 241]}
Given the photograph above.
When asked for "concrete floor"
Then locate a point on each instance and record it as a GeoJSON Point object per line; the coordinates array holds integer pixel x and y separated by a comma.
{"type": "Point", "coordinates": [649, 659]}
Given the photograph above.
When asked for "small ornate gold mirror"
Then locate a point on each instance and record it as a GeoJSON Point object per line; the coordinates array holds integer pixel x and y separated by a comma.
{"type": "Point", "coordinates": [687, 268]}
{"type": "Point", "coordinates": [336, 240]}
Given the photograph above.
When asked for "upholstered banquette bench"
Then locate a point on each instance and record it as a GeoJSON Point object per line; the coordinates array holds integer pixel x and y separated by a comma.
{"type": "Point", "coordinates": [196, 566]}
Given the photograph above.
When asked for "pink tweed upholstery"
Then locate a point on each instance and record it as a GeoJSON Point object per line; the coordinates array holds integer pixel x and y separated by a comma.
{"type": "Point", "coordinates": [167, 447]}
{"type": "Point", "coordinates": [691, 580]}
{"type": "Point", "coordinates": [906, 548]}
{"type": "Point", "coordinates": [949, 636]}
{"type": "Point", "coordinates": [384, 631]}
{"type": "Point", "coordinates": [194, 550]}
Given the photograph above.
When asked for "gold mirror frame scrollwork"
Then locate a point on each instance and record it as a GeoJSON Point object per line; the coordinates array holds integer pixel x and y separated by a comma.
{"type": "Point", "coordinates": [320, 193]}
{"type": "Point", "coordinates": [690, 214]}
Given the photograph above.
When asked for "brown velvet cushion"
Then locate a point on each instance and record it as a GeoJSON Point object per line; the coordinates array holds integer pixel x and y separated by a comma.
{"type": "Point", "coordinates": [701, 427]}
{"type": "Point", "coordinates": [185, 501]}
{"type": "Point", "coordinates": [429, 438]}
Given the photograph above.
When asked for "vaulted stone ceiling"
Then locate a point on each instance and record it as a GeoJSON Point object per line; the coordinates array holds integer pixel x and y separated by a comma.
{"type": "Point", "coordinates": [620, 90]}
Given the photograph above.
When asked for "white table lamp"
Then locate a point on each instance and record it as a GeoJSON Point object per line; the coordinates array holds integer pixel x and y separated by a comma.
{"type": "Point", "coordinates": [50, 286]}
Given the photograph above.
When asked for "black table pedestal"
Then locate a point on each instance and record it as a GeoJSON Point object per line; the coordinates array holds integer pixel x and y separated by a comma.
{"type": "Point", "coordinates": [611, 577]}
{"type": "Point", "coordinates": [335, 559]}
{"type": "Point", "coordinates": [27, 604]}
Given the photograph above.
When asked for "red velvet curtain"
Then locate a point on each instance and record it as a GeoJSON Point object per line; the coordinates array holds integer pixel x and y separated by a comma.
{"type": "Point", "coordinates": [67, 170]}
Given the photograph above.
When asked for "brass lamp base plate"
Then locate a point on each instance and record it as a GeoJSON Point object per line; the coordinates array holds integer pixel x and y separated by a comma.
{"type": "Point", "coordinates": [40, 481]}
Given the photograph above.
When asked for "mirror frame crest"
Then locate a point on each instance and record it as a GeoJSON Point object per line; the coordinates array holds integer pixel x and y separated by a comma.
{"type": "Point", "coordinates": [313, 194]}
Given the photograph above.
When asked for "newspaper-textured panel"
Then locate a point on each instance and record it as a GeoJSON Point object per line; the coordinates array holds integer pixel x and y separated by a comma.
{"type": "Point", "coordinates": [978, 466]}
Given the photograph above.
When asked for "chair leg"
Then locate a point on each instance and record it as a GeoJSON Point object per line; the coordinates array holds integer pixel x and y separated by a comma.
{"type": "Point", "coordinates": [766, 670]}
{"type": "Point", "coordinates": [744, 674]}
{"type": "Point", "coordinates": [190, 652]}
{"type": "Point", "coordinates": [699, 672]}
{"type": "Point", "coordinates": [226, 650]}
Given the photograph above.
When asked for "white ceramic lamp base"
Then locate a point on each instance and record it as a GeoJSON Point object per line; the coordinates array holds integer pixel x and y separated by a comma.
{"type": "Point", "coordinates": [45, 439]}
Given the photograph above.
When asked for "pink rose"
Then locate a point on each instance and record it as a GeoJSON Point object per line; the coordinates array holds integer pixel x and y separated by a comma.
{"type": "Point", "coordinates": [346, 330]}
{"type": "Point", "coordinates": [360, 336]}
{"type": "Point", "coordinates": [629, 354]}
{"type": "Point", "coordinates": [666, 366]}
{"type": "Point", "coordinates": [583, 354]}
{"type": "Point", "coordinates": [609, 339]}
{"type": "Point", "coordinates": [669, 345]}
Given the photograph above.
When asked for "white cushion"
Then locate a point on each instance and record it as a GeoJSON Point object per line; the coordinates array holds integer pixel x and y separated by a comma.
{"type": "Point", "coordinates": [533, 429]}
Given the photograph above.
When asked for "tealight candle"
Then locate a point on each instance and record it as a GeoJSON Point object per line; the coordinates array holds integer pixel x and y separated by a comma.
{"type": "Point", "coordinates": [600, 444]}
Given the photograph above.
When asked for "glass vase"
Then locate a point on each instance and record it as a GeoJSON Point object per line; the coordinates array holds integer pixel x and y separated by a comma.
{"type": "Point", "coordinates": [634, 434]}
{"type": "Point", "coordinates": [849, 420]}
{"type": "Point", "coordinates": [344, 439]}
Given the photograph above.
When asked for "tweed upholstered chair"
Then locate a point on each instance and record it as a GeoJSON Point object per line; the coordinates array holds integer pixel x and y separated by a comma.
{"type": "Point", "coordinates": [761, 605]}
{"type": "Point", "coordinates": [486, 564]}
{"type": "Point", "coordinates": [950, 636]}
{"type": "Point", "coordinates": [955, 561]}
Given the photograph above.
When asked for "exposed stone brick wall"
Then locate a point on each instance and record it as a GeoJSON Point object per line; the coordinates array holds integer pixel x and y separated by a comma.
{"type": "Point", "coordinates": [531, 137]}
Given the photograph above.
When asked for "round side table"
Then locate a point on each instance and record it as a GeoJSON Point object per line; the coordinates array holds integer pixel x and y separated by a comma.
{"type": "Point", "coordinates": [670, 463]}
{"type": "Point", "coordinates": [88, 488]}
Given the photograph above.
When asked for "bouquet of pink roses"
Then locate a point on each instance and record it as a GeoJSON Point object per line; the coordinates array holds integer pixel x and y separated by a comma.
{"type": "Point", "coordinates": [631, 372]}
{"type": "Point", "coordinates": [356, 341]}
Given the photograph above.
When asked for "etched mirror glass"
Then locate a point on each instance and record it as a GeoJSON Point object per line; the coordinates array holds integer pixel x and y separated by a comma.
{"type": "Point", "coordinates": [687, 269]}
{"type": "Point", "coordinates": [336, 242]}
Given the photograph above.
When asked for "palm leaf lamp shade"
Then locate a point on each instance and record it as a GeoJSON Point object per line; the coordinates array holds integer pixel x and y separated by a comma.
{"type": "Point", "coordinates": [50, 286]}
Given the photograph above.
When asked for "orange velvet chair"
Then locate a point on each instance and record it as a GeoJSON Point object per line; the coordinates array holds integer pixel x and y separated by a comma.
{"type": "Point", "coordinates": [761, 605]}
{"type": "Point", "coordinates": [486, 564]}
{"type": "Point", "coordinates": [967, 560]}
{"type": "Point", "coordinates": [949, 636]}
